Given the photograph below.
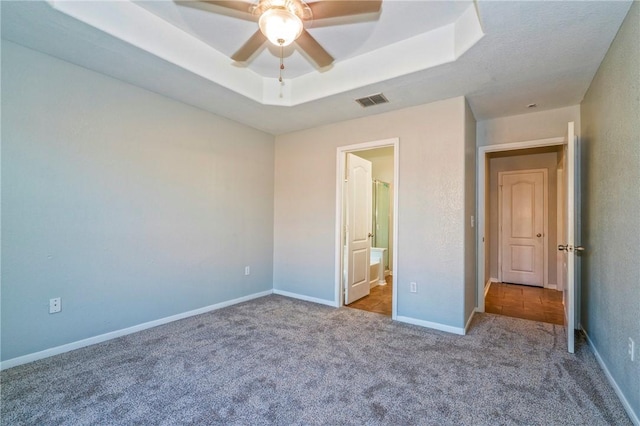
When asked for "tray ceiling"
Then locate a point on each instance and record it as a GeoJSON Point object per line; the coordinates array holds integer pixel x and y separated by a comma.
{"type": "Point", "coordinates": [501, 55]}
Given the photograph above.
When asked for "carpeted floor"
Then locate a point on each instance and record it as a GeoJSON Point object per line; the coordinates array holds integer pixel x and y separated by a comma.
{"type": "Point", "coordinates": [281, 361]}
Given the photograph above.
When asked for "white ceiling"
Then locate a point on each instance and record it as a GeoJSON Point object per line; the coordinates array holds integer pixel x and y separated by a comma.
{"type": "Point", "coordinates": [413, 51]}
{"type": "Point", "coordinates": [343, 38]}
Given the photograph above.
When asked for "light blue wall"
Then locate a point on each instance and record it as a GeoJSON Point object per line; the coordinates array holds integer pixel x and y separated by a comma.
{"type": "Point", "coordinates": [128, 205]}
{"type": "Point", "coordinates": [611, 202]}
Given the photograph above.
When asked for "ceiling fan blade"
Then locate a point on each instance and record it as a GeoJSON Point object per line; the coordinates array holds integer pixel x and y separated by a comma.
{"type": "Point", "coordinates": [333, 9]}
{"type": "Point", "coordinates": [313, 49]}
{"type": "Point", "coordinates": [250, 47]}
{"type": "Point", "coordinates": [239, 5]}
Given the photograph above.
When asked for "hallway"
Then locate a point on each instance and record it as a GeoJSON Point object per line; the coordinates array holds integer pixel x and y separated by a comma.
{"type": "Point", "coordinates": [526, 302]}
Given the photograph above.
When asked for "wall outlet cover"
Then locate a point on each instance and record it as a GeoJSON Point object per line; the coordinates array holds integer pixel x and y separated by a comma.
{"type": "Point", "coordinates": [55, 305]}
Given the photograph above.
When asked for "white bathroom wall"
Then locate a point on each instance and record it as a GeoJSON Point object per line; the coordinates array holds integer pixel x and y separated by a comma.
{"type": "Point", "coordinates": [382, 163]}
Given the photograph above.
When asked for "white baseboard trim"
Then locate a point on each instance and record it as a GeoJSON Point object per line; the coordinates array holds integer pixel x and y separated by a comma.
{"type": "Point", "coordinates": [429, 324]}
{"type": "Point", "coordinates": [487, 286]}
{"type": "Point", "coordinates": [13, 362]}
{"type": "Point", "coordinates": [632, 415]}
{"type": "Point", "coordinates": [466, 327]}
{"type": "Point", "coordinates": [494, 280]}
{"type": "Point", "coordinates": [551, 286]}
{"type": "Point", "coordinates": [331, 303]}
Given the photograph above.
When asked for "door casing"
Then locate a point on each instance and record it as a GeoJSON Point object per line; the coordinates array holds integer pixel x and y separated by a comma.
{"type": "Point", "coordinates": [482, 168]}
{"type": "Point", "coordinates": [339, 231]}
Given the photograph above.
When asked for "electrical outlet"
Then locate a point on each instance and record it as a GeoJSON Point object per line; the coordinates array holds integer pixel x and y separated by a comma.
{"type": "Point", "coordinates": [632, 349]}
{"type": "Point", "coordinates": [413, 287]}
{"type": "Point", "coordinates": [55, 305]}
{"type": "Point", "coordinates": [247, 270]}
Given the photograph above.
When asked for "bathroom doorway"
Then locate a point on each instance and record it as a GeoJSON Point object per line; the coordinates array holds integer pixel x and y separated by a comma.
{"type": "Point", "coordinates": [367, 206]}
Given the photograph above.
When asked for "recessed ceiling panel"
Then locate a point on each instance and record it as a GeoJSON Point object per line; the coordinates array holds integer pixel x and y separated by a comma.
{"type": "Point", "coordinates": [346, 37]}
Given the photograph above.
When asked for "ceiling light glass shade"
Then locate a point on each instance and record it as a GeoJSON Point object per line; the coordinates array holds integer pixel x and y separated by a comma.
{"type": "Point", "coordinates": [280, 26]}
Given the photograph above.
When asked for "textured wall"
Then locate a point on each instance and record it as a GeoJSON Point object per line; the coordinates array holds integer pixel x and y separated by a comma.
{"type": "Point", "coordinates": [128, 205]}
{"type": "Point", "coordinates": [470, 250]}
{"type": "Point", "coordinates": [547, 161]}
{"type": "Point", "coordinates": [611, 202]}
{"type": "Point", "coordinates": [527, 127]}
{"type": "Point", "coordinates": [430, 218]}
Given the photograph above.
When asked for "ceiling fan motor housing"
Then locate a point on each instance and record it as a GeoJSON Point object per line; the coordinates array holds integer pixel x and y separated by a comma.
{"type": "Point", "coordinates": [297, 7]}
{"type": "Point", "coordinates": [283, 21]}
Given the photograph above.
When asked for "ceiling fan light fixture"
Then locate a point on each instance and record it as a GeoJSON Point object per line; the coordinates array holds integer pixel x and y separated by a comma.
{"type": "Point", "coordinates": [280, 26]}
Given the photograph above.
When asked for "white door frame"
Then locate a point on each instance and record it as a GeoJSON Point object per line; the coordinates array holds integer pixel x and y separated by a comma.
{"type": "Point", "coordinates": [545, 222]}
{"type": "Point", "coordinates": [481, 162]}
{"type": "Point", "coordinates": [339, 231]}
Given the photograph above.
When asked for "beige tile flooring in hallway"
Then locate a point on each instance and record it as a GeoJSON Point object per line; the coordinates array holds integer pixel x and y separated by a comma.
{"type": "Point", "coordinates": [378, 300]}
{"type": "Point", "coordinates": [521, 301]}
{"type": "Point", "coordinates": [514, 300]}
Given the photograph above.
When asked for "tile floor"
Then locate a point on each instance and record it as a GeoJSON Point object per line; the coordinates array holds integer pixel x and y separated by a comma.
{"type": "Point", "coordinates": [378, 300]}
{"type": "Point", "coordinates": [521, 301]}
{"type": "Point", "coordinates": [513, 300]}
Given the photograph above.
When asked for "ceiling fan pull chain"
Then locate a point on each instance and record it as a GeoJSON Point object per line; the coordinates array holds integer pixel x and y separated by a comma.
{"type": "Point", "coordinates": [281, 61]}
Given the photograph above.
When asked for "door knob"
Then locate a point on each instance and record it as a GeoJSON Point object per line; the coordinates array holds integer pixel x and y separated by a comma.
{"type": "Point", "coordinates": [563, 247]}
{"type": "Point", "coordinates": [538, 235]}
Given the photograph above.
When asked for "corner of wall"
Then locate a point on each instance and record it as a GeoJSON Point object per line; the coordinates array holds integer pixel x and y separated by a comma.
{"type": "Point", "coordinates": [470, 214]}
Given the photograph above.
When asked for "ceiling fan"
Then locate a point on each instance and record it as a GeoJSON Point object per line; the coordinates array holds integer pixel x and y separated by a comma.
{"type": "Point", "coordinates": [283, 22]}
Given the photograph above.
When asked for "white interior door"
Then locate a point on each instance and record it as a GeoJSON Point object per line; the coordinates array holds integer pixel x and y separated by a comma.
{"type": "Point", "coordinates": [522, 227]}
{"type": "Point", "coordinates": [569, 247]}
{"type": "Point", "coordinates": [358, 228]}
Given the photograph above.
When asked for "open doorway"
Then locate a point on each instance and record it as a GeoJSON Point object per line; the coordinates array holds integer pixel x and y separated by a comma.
{"type": "Point", "coordinates": [366, 226]}
{"type": "Point", "coordinates": [524, 217]}
{"type": "Point", "coordinates": [568, 208]}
